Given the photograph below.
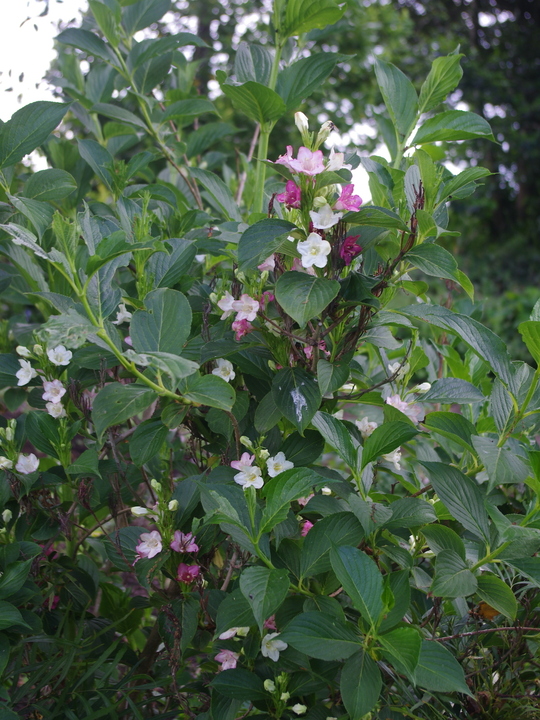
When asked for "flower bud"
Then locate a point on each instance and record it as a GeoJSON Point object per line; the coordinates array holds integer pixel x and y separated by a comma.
{"type": "Point", "coordinates": [324, 132]}
{"type": "Point", "coordinates": [299, 709]}
{"type": "Point", "coordinates": [319, 201]}
{"type": "Point", "coordinates": [240, 275]}
{"type": "Point", "coordinates": [264, 454]}
{"type": "Point", "coordinates": [7, 515]}
{"type": "Point", "coordinates": [173, 505]}
{"type": "Point", "coordinates": [269, 686]}
{"type": "Point", "coordinates": [301, 122]}
{"type": "Point", "coordinates": [23, 351]}
{"type": "Point", "coordinates": [422, 388]}
{"type": "Point", "coordinates": [246, 442]}
{"type": "Point", "coordinates": [285, 696]}
{"type": "Point", "coordinates": [5, 463]}
{"type": "Point", "coordinates": [213, 298]}
{"type": "Point", "coordinates": [10, 434]}
{"type": "Point", "coordinates": [37, 350]}
{"type": "Point", "coordinates": [139, 511]}
{"type": "Point", "coordinates": [155, 484]}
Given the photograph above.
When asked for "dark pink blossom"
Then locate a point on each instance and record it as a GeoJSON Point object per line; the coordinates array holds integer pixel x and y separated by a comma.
{"type": "Point", "coordinates": [292, 195]}
{"type": "Point", "coordinates": [241, 328]}
{"type": "Point", "coordinates": [184, 543]}
{"type": "Point", "coordinates": [270, 624]}
{"type": "Point", "coordinates": [350, 249]}
{"type": "Point", "coordinates": [266, 297]}
{"type": "Point", "coordinates": [188, 573]}
{"type": "Point", "coordinates": [348, 201]}
{"type": "Point", "coordinates": [227, 658]}
{"type": "Point", "coordinates": [306, 527]}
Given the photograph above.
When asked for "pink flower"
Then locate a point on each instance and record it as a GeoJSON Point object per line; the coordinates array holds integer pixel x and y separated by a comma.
{"type": "Point", "coordinates": [411, 410]}
{"type": "Point", "coordinates": [308, 162]}
{"type": "Point", "coordinates": [267, 297]}
{"type": "Point", "coordinates": [149, 545]}
{"type": "Point", "coordinates": [188, 573]}
{"type": "Point", "coordinates": [226, 304]}
{"type": "Point", "coordinates": [348, 201]}
{"type": "Point", "coordinates": [292, 195]}
{"type": "Point", "coordinates": [241, 328]}
{"type": "Point", "coordinates": [184, 543]}
{"type": "Point", "coordinates": [127, 340]}
{"type": "Point", "coordinates": [298, 267]}
{"type": "Point", "coordinates": [269, 264]}
{"type": "Point", "coordinates": [270, 624]}
{"type": "Point", "coordinates": [350, 249]}
{"type": "Point", "coordinates": [245, 462]}
{"type": "Point", "coordinates": [227, 658]}
{"type": "Point", "coordinates": [246, 307]}
{"type": "Point", "coordinates": [306, 527]}
{"type": "Point", "coordinates": [54, 390]}
{"type": "Point", "coordinates": [304, 500]}
{"type": "Point", "coordinates": [286, 159]}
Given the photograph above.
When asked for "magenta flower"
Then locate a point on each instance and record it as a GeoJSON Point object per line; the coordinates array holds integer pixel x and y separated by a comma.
{"type": "Point", "coordinates": [350, 249]}
{"type": "Point", "coordinates": [266, 297]}
{"type": "Point", "coordinates": [149, 545]}
{"type": "Point", "coordinates": [241, 328]}
{"type": "Point", "coordinates": [308, 162]}
{"type": "Point", "coordinates": [348, 201]}
{"type": "Point", "coordinates": [227, 658]}
{"type": "Point", "coordinates": [184, 543]}
{"type": "Point", "coordinates": [245, 462]}
{"type": "Point", "coordinates": [188, 573]}
{"type": "Point", "coordinates": [292, 195]}
{"type": "Point", "coordinates": [306, 527]}
{"type": "Point", "coordinates": [270, 624]}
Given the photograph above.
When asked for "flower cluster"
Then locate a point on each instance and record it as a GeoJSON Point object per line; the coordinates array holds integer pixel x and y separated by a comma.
{"type": "Point", "coordinates": [53, 389]}
{"type": "Point", "coordinates": [246, 309]}
{"type": "Point", "coordinates": [250, 475]}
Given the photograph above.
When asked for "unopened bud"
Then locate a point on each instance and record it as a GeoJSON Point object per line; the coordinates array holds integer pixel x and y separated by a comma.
{"type": "Point", "coordinates": [22, 351]}
{"type": "Point", "coordinates": [37, 349]}
{"type": "Point", "coordinates": [285, 696]}
{"type": "Point", "coordinates": [240, 275]}
{"type": "Point", "coordinates": [269, 686]}
{"type": "Point", "coordinates": [299, 709]}
{"type": "Point", "coordinates": [213, 298]}
{"type": "Point", "coordinates": [139, 511]}
{"type": "Point", "coordinates": [422, 388]}
{"type": "Point", "coordinates": [319, 201]}
{"type": "Point", "coordinates": [324, 132]}
{"type": "Point", "coordinates": [301, 122]}
{"type": "Point", "coordinates": [264, 454]}
{"type": "Point", "coordinates": [10, 434]}
{"type": "Point", "coordinates": [155, 484]}
{"type": "Point", "coordinates": [246, 442]}
{"type": "Point", "coordinates": [173, 505]}
{"type": "Point", "coordinates": [7, 515]}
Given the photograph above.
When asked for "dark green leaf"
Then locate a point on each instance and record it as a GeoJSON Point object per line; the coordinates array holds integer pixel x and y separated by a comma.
{"type": "Point", "coordinates": [440, 537]}
{"type": "Point", "coordinates": [85, 464]}
{"type": "Point", "coordinates": [99, 159]}
{"type": "Point", "coordinates": [219, 191]}
{"type": "Point", "coordinates": [10, 616]}
{"type": "Point", "coordinates": [260, 240]}
{"type": "Point", "coordinates": [496, 593]}
{"type": "Point", "coordinates": [51, 184]}
{"type": "Point", "coordinates": [361, 580]}
{"type": "Point", "coordinates": [191, 108]}
{"type": "Point", "coordinates": [303, 296]}
{"type": "Point", "coordinates": [434, 260]}
{"type": "Point", "coordinates": [321, 636]}
{"type": "Point", "coordinates": [337, 435]}
{"type": "Point", "coordinates": [443, 77]}
{"type": "Point", "coordinates": [461, 180]}
{"type": "Point", "coordinates": [452, 576]}
{"type": "Point", "coordinates": [281, 490]}
{"type": "Point", "coordinates": [143, 13]}
{"type": "Point", "coordinates": [257, 101]}
{"type": "Point", "coordinates": [385, 438]}
{"type": "Point", "coordinates": [438, 670]}
{"type": "Point", "coordinates": [146, 441]}
{"type": "Point", "coordinates": [331, 376]}
{"type": "Point", "coordinates": [28, 129]}
{"type": "Point", "coordinates": [453, 390]}
{"type": "Point", "coordinates": [89, 43]}
{"type": "Point", "coordinates": [241, 685]}
{"type": "Point", "coordinates": [530, 334]}
{"type": "Point", "coordinates": [234, 611]}
{"type": "Point", "coordinates": [337, 529]}
{"type": "Point", "coordinates": [502, 464]}
{"type": "Point", "coordinates": [297, 81]}
{"type": "Point", "coordinates": [265, 590]}
{"type": "Point", "coordinates": [453, 426]}
{"type": "Point", "coordinates": [403, 646]}
{"type": "Point", "coordinates": [116, 403]}
{"type": "Point", "coordinates": [376, 217]}
{"type": "Point", "coordinates": [13, 578]}
{"type": "Point", "coordinates": [209, 390]}
{"type": "Point", "coordinates": [453, 125]}
{"type": "Point", "coordinates": [305, 15]}
{"type": "Point", "coordinates": [297, 395]}
{"type": "Point", "coordinates": [165, 324]}
{"type": "Point", "coordinates": [399, 96]}
{"type": "Point", "coordinates": [410, 512]}
{"type": "Point", "coordinates": [360, 685]}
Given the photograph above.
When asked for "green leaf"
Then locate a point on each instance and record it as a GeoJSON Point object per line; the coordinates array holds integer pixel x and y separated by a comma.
{"type": "Point", "coordinates": [337, 529]}
{"type": "Point", "coordinates": [501, 407]}
{"type": "Point", "coordinates": [453, 426]}
{"type": "Point", "coordinates": [452, 576]}
{"type": "Point", "coordinates": [461, 180]}
{"type": "Point", "coordinates": [257, 101]}
{"type": "Point", "coordinates": [51, 185]}
{"type": "Point", "coordinates": [28, 129]}
{"type": "Point", "coordinates": [303, 449]}
{"type": "Point", "coordinates": [462, 497]}
{"type": "Point", "coordinates": [219, 191]}
{"type": "Point", "coordinates": [443, 77]}
{"type": "Point", "coordinates": [161, 46]}
{"type": "Point", "coordinates": [99, 159]}
{"type": "Point", "coordinates": [118, 113]}
{"type": "Point", "coordinates": [440, 537]}
{"type": "Point", "coordinates": [260, 240]}
{"type": "Point", "coordinates": [209, 134]}
{"type": "Point", "coordinates": [376, 217]}
{"type": "Point", "coordinates": [89, 43]}
{"type": "Point", "coordinates": [10, 617]}
{"type": "Point", "coordinates": [385, 438]}
{"type": "Point", "coordinates": [187, 109]}
{"type": "Point", "coordinates": [42, 431]}
{"type": "Point", "coordinates": [399, 96]}
{"type": "Point", "coordinates": [453, 390]}
{"type": "Point", "coordinates": [143, 13]}
{"type": "Point", "coordinates": [252, 62]}
{"type": "Point", "coordinates": [337, 435]}
{"type": "Point", "coordinates": [360, 685]}
{"type": "Point", "coordinates": [267, 414]}
{"type": "Point", "coordinates": [281, 490]}
{"type": "Point", "coordinates": [265, 590]}
{"type": "Point", "coordinates": [496, 593]}
{"type": "Point", "coordinates": [502, 464]}
{"type": "Point", "coordinates": [530, 334]}
{"type": "Point", "coordinates": [86, 464]}
{"type": "Point", "coordinates": [146, 441]}
{"type": "Point", "coordinates": [164, 325]}
{"type": "Point", "coordinates": [453, 125]}
{"type": "Point", "coordinates": [403, 646]}
{"type": "Point", "coordinates": [297, 396]}
{"type": "Point", "coordinates": [410, 512]}
{"type": "Point", "coordinates": [303, 296]}
{"type": "Point", "coordinates": [528, 566]}
{"type": "Point", "coordinates": [331, 376]}
{"type": "Point", "coordinates": [484, 342]}
{"type": "Point", "coordinates": [209, 390]}
{"type": "Point", "coordinates": [234, 611]}
{"type": "Point", "coordinates": [438, 670]}
{"type": "Point", "coordinates": [108, 14]}
{"type": "Point", "coordinates": [39, 213]}
{"type": "Point", "coordinates": [304, 15]}
{"type": "Point", "coordinates": [372, 516]}
{"type": "Point", "coordinates": [361, 580]}
{"type": "Point", "coordinates": [172, 365]}
{"type": "Point", "coordinates": [297, 81]}
{"type": "Point", "coordinates": [116, 403]}
{"type": "Point", "coordinates": [321, 636]}
{"type": "Point", "coordinates": [13, 578]}
{"type": "Point", "coordinates": [240, 684]}
{"type": "Point", "coordinates": [436, 261]}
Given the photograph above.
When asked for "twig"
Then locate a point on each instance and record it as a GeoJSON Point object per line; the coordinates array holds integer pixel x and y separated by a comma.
{"type": "Point", "coordinates": [234, 422]}
{"type": "Point", "coordinates": [243, 176]}
{"type": "Point", "coordinates": [487, 630]}
{"type": "Point", "coordinates": [230, 571]}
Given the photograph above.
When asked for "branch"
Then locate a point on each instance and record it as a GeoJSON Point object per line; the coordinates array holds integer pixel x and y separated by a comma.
{"type": "Point", "coordinates": [483, 632]}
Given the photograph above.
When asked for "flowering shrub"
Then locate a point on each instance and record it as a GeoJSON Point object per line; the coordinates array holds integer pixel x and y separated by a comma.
{"type": "Point", "coordinates": [248, 467]}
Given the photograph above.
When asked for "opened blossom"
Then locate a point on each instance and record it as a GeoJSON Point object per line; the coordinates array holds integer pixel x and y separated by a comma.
{"type": "Point", "coordinates": [122, 315]}
{"type": "Point", "coordinates": [350, 249]}
{"type": "Point", "coordinates": [246, 307]}
{"type": "Point", "coordinates": [325, 218]}
{"type": "Point", "coordinates": [348, 201]}
{"type": "Point", "coordinates": [54, 391]}
{"type": "Point", "coordinates": [271, 646]}
{"type": "Point", "coordinates": [278, 464]}
{"type": "Point", "coordinates": [224, 370]}
{"type": "Point", "coordinates": [306, 527]}
{"type": "Point", "coordinates": [184, 543]}
{"type": "Point", "coordinates": [394, 457]}
{"type": "Point", "coordinates": [228, 634]}
{"type": "Point", "coordinates": [227, 658]}
{"type": "Point", "coordinates": [336, 161]}
{"type": "Point", "coordinates": [314, 251]}
{"type": "Point", "coordinates": [56, 410]}
{"type": "Point", "coordinates": [188, 573]}
{"type": "Point", "coordinates": [26, 373]}
{"type": "Point", "coordinates": [286, 159]}
{"type": "Point", "coordinates": [59, 355]}
{"type": "Point", "coordinates": [149, 545]}
{"type": "Point", "coordinates": [292, 195]}
{"type": "Point", "coordinates": [308, 162]}
{"type": "Point", "coordinates": [411, 410]}
{"type": "Point", "coordinates": [366, 427]}
{"type": "Point", "coordinates": [268, 265]}
{"type": "Point", "coordinates": [27, 464]}
{"type": "Point", "coordinates": [248, 475]}
{"type": "Point", "coordinates": [241, 328]}
{"type": "Point", "coordinates": [226, 304]}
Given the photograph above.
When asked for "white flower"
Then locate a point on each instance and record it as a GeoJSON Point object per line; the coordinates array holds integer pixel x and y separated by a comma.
{"type": "Point", "coordinates": [314, 251]}
{"type": "Point", "coordinates": [278, 464]}
{"type": "Point", "coordinates": [271, 646]}
{"type": "Point", "coordinates": [396, 368]}
{"type": "Point", "coordinates": [27, 464]}
{"type": "Point", "coordinates": [54, 391]}
{"type": "Point", "coordinates": [59, 355]}
{"type": "Point", "coordinates": [246, 308]}
{"type": "Point", "coordinates": [412, 411]}
{"type": "Point", "coordinates": [394, 457]}
{"type": "Point", "coordinates": [7, 515]}
{"type": "Point", "coordinates": [325, 218]}
{"type": "Point", "coordinates": [301, 122]}
{"type": "Point", "coordinates": [224, 370]}
{"type": "Point", "coordinates": [269, 686]}
{"type": "Point", "coordinates": [5, 463]}
{"type": "Point", "coordinates": [336, 161]}
{"type": "Point", "coordinates": [122, 315]}
{"type": "Point", "coordinates": [26, 373]}
{"type": "Point", "coordinates": [228, 634]}
{"type": "Point", "coordinates": [173, 505]}
{"type": "Point", "coordinates": [249, 477]}
{"type": "Point", "coordinates": [366, 427]}
{"type": "Point", "coordinates": [422, 388]}
{"type": "Point", "coordinates": [56, 410]}
{"type": "Point", "coordinates": [139, 511]}
{"type": "Point", "coordinates": [299, 709]}
{"type": "Point", "coordinates": [226, 304]}
{"type": "Point", "coordinates": [23, 351]}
